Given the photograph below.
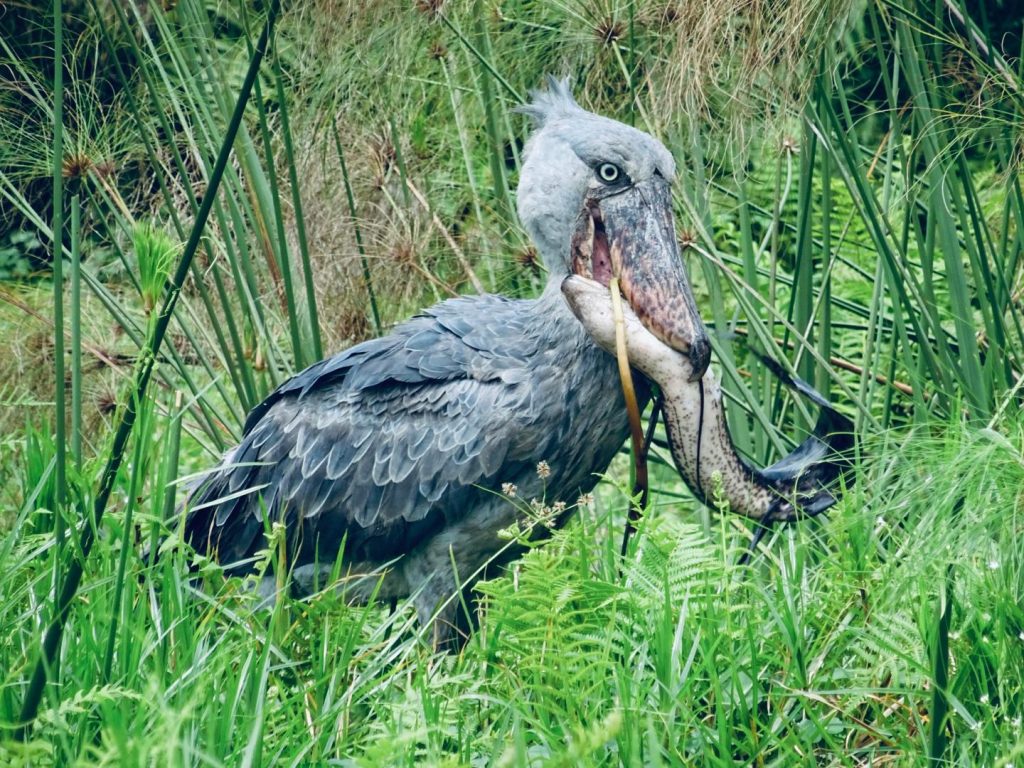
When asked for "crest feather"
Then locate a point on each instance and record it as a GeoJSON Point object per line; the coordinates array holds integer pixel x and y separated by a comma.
{"type": "Point", "coordinates": [555, 102]}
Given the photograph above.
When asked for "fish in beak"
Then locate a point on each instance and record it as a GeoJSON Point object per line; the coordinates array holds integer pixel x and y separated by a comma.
{"type": "Point", "coordinates": [629, 234]}
{"type": "Point", "coordinates": [803, 484]}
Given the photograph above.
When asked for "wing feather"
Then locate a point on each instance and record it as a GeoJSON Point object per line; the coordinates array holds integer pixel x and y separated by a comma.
{"type": "Point", "coordinates": [381, 444]}
{"type": "Point", "coordinates": [418, 444]}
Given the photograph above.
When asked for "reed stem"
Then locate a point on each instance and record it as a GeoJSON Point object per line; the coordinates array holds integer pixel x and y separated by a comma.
{"type": "Point", "coordinates": [51, 641]}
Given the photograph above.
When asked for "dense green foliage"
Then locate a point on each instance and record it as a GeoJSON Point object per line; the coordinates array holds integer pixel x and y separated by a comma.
{"type": "Point", "coordinates": [822, 652]}
{"type": "Point", "coordinates": [850, 199]}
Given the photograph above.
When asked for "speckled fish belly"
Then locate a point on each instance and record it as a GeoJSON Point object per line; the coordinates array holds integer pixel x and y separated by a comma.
{"type": "Point", "coordinates": [800, 485]}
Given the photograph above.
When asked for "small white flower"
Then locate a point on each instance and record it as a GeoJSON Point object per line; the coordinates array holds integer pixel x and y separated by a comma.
{"type": "Point", "coordinates": [1021, 634]}
{"type": "Point", "coordinates": [983, 698]}
{"type": "Point", "coordinates": [559, 507]}
{"type": "Point", "coordinates": [543, 470]}
{"type": "Point", "coordinates": [954, 635]}
{"type": "Point", "coordinates": [509, 489]}
{"type": "Point", "coordinates": [993, 565]}
{"type": "Point", "coordinates": [585, 500]}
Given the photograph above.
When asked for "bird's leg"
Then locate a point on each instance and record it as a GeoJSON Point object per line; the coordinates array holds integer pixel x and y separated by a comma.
{"type": "Point", "coordinates": [437, 591]}
{"type": "Point", "coordinates": [392, 610]}
{"type": "Point", "coordinates": [447, 631]}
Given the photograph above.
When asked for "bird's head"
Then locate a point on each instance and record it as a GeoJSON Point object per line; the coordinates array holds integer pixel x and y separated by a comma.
{"type": "Point", "coordinates": [595, 197]}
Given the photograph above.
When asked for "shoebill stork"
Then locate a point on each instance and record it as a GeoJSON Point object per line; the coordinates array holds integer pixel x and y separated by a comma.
{"type": "Point", "coordinates": [396, 450]}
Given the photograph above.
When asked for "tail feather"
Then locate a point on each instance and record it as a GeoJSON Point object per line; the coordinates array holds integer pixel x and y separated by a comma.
{"type": "Point", "coordinates": [822, 460]}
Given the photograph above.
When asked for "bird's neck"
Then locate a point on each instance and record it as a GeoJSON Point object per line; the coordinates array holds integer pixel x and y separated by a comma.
{"type": "Point", "coordinates": [574, 343]}
{"type": "Point", "coordinates": [551, 297]}
{"type": "Point", "coordinates": [563, 330]}
{"type": "Point", "coordinates": [552, 306]}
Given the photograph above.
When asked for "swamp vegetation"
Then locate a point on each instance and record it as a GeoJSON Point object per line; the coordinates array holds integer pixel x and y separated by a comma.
{"type": "Point", "coordinates": [849, 201]}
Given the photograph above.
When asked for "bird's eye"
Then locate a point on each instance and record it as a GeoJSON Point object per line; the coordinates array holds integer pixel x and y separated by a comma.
{"type": "Point", "coordinates": [608, 172]}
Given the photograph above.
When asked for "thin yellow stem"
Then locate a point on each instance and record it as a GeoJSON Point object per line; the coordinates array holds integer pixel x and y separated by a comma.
{"type": "Point", "coordinates": [632, 411]}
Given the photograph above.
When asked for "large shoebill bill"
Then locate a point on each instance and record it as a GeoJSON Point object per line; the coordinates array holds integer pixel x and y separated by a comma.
{"type": "Point", "coordinates": [397, 449]}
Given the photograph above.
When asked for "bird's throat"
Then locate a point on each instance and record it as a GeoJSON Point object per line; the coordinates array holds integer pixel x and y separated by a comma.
{"type": "Point", "coordinates": [591, 255]}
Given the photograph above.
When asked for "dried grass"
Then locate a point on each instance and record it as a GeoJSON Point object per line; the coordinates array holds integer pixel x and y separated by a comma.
{"type": "Point", "coordinates": [740, 68]}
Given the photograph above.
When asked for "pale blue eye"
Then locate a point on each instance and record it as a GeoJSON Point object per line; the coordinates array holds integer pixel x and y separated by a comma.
{"type": "Point", "coordinates": [608, 172]}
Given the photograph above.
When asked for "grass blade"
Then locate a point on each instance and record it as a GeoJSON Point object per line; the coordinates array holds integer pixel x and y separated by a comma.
{"type": "Point", "coordinates": [76, 332]}
{"type": "Point", "coordinates": [350, 198]}
{"type": "Point", "coordinates": [59, 394]}
{"type": "Point", "coordinates": [55, 630]}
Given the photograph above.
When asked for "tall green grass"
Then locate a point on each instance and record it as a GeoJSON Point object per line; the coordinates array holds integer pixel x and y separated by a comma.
{"type": "Point", "coordinates": [821, 653]}
{"type": "Point", "coordinates": [869, 235]}
{"type": "Point", "coordinates": [155, 260]}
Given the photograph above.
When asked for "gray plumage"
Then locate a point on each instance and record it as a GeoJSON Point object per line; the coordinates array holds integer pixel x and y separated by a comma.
{"type": "Point", "coordinates": [398, 447]}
